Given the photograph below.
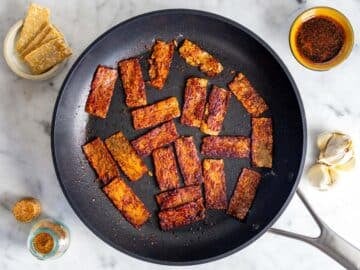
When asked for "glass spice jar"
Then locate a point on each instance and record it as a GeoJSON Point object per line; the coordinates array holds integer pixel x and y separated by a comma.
{"type": "Point", "coordinates": [48, 239]}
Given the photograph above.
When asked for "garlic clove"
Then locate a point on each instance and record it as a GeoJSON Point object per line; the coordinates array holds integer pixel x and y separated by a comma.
{"type": "Point", "coordinates": [319, 176]}
{"type": "Point", "coordinates": [349, 165]}
{"type": "Point", "coordinates": [334, 175]}
{"type": "Point", "coordinates": [338, 150]}
{"type": "Point", "coordinates": [323, 139]}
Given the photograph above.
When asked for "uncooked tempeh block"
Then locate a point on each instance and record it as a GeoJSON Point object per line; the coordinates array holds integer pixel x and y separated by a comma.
{"type": "Point", "coordinates": [189, 161]}
{"type": "Point", "coordinates": [247, 95]}
{"type": "Point", "coordinates": [165, 168]}
{"type": "Point", "coordinates": [194, 104]}
{"type": "Point", "coordinates": [157, 113]}
{"type": "Point", "coordinates": [124, 154]}
{"type": "Point", "coordinates": [179, 196]}
{"type": "Point", "coordinates": [215, 111]}
{"type": "Point", "coordinates": [182, 215]}
{"type": "Point", "coordinates": [214, 183]}
{"type": "Point", "coordinates": [261, 142]}
{"type": "Point", "coordinates": [244, 193]}
{"type": "Point", "coordinates": [101, 160]}
{"type": "Point", "coordinates": [102, 88]}
{"type": "Point", "coordinates": [124, 199]}
{"type": "Point", "coordinates": [155, 138]}
{"type": "Point", "coordinates": [226, 146]}
{"type": "Point", "coordinates": [133, 82]}
{"type": "Point", "coordinates": [160, 62]}
{"type": "Point", "coordinates": [195, 56]}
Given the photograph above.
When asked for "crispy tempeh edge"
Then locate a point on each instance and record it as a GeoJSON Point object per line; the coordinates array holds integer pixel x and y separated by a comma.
{"type": "Point", "coordinates": [101, 92]}
{"type": "Point", "coordinates": [165, 168]}
{"type": "Point", "coordinates": [247, 95]}
{"type": "Point", "coordinates": [244, 193]}
{"type": "Point", "coordinates": [194, 102]}
{"type": "Point", "coordinates": [126, 201]}
{"type": "Point", "coordinates": [133, 82]}
{"type": "Point", "coordinates": [182, 215]}
{"type": "Point", "coordinates": [125, 155]}
{"type": "Point", "coordinates": [262, 142]}
{"type": "Point", "coordinates": [214, 183]}
{"type": "Point", "coordinates": [157, 113]}
{"type": "Point", "coordinates": [100, 160]}
{"type": "Point", "coordinates": [179, 196]}
{"type": "Point", "coordinates": [225, 146]}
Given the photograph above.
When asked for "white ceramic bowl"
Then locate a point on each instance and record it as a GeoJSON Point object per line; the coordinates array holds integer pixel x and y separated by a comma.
{"type": "Point", "coordinates": [17, 65]}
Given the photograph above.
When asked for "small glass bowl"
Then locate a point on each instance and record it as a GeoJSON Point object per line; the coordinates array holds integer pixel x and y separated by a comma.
{"type": "Point", "coordinates": [336, 16]}
{"type": "Point", "coordinates": [59, 233]}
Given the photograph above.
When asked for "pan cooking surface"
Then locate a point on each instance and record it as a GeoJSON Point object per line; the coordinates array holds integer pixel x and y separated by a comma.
{"type": "Point", "coordinates": [238, 50]}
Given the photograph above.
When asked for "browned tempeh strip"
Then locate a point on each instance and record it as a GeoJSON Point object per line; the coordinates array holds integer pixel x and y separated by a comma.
{"type": "Point", "coordinates": [102, 88]}
{"type": "Point", "coordinates": [123, 152]}
{"type": "Point", "coordinates": [195, 56]}
{"type": "Point", "coordinates": [157, 113]}
{"type": "Point", "coordinates": [155, 138]}
{"type": "Point", "coordinates": [261, 142]}
{"type": "Point", "coordinates": [189, 161]}
{"type": "Point", "coordinates": [226, 146]}
{"type": "Point", "coordinates": [179, 196]}
{"type": "Point", "coordinates": [247, 95]}
{"type": "Point", "coordinates": [215, 111]}
{"type": "Point", "coordinates": [182, 215]}
{"type": "Point", "coordinates": [101, 160]}
{"type": "Point", "coordinates": [133, 82]}
{"type": "Point", "coordinates": [214, 183]}
{"type": "Point", "coordinates": [124, 198]}
{"type": "Point", "coordinates": [165, 168]}
{"type": "Point", "coordinates": [194, 104]}
{"type": "Point", "coordinates": [160, 62]}
{"type": "Point", "coordinates": [244, 193]}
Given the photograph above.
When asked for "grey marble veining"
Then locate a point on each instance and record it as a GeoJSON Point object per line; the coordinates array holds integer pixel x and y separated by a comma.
{"type": "Point", "coordinates": [331, 101]}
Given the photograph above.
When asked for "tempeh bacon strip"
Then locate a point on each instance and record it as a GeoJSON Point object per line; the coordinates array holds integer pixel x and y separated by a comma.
{"type": "Point", "coordinates": [101, 92]}
{"type": "Point", "coordinates": [261, 142]}
{"type": "Point", "coordinates": [194, 102]}
{"type": "Point", "coordinates": [244, 193]}
{"type": "Point", "coordinates": [124, 154]}
{"type": "Point", "coordinates": [101, 160]}
{"type": "Point", "coordinates": [247, 95]}
{"type": "Point", "coordinates": [214, 183]}
{"type": "Point", "coordinates": [182, 215]}
{"type": "Point", "coordinates": [225, 146]}
{"type": "Point", "coordinates": [179, 196]}
{"type": "Point", "coordinates": [155, 138]}
{"type": "Point", "coordinates": [157, 113]}
{"type": "Point", "coordinates": [133, 82]}
{"type": "Point", "coordinates": [215, 111]}
{"type": "Point", "coordinates": [160, 62]}
{"type": "Point", "coordinates": [195, 56]}
{"type": "Point", "coordinates": [165, 168]}
{"type": "Point", "coordinates": [126, 201]}
{"type": "Point", "coordinates": [189, 161]}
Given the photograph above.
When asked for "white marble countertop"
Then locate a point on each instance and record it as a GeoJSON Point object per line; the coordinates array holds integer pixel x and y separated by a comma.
{"type": "Point", "coordinates": [331, 101]}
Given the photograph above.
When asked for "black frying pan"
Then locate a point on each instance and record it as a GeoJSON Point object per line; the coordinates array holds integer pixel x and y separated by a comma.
{"type": "Point", "coordinates": [238, 49]}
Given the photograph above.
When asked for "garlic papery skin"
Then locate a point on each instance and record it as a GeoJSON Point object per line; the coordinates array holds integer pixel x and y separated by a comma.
{"type": "Point", "coordinates": [323, 139]}
{"type": "Point", "coordinates": [349, 165]}
{"type": "Point", "coordinates": [338, 149]}
{"type": "Point", "coordinates": [319, 176]}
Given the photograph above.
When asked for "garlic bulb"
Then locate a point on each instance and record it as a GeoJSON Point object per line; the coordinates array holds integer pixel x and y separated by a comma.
{"type": "Point", "coordinates": [336, 154]}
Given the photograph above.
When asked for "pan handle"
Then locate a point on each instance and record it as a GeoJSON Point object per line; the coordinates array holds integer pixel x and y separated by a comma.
{"type": "Point", "coordinates": [328, 241]}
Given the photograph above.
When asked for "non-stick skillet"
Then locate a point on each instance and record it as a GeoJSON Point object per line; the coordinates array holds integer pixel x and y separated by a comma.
{"type": "Point", "coordinates": [239, 50]}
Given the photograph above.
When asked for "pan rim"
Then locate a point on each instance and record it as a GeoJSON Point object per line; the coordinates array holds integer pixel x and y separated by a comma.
{"type": "Point", "coordinates": [233, 24]}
